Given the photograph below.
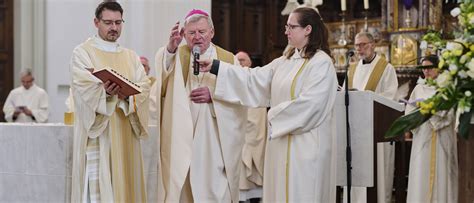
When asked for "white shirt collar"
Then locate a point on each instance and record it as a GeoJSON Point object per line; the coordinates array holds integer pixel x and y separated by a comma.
{"type": "Point", "coordinates": [29, 89]}
{"type": "Point", "coordinates": [297, 54]}
{"type": "Point", "coordinates": [105, 45]}
{"type": "Point", "coordinates": [210, 52]}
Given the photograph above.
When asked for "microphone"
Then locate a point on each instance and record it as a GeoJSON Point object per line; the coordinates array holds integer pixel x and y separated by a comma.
{"type": "Point", "coordinates": [196, 52]}
{"type": "Point", "coordinates": [350, 53]}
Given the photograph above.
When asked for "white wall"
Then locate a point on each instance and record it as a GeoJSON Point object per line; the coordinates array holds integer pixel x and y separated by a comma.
{"type": "Point", "coordinates": [29, 37]}
{"type": "Point", "coordinates": [70, 22]}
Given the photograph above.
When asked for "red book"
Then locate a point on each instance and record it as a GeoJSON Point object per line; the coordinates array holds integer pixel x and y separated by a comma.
{"type": "Point", "coordinates": [127, 87]}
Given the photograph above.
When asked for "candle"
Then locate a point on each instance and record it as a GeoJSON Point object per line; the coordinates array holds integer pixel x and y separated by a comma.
{"type": "Point", "coordinates": [343, 5]}
{"type": "Point", "coordinates": [366, 4]}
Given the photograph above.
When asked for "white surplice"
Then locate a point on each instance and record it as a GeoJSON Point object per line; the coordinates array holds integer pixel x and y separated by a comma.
{"type": "Point", "coordinates": [433, 152]}
{"type": "Point", "coordinates": [387, 87]}
{"type": "Point", "coordinates": [34, 98]}
{"type": "Point", "coordinates": [200, 143]}
{"type": "Point", "coordinates": [308, 119]}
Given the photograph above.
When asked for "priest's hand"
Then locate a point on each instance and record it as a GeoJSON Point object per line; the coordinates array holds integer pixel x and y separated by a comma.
{"type": "Point", "coordinates": [201, 95]}
{"type": "Point", "coordinates": [111, 88]}
{"type": "Point", "coordinates": [122, 97]}
{"type": "Point", "coordinates": [17, 111]}
{"type": "Point", "coordinates": [175, 38]}
{"type": "Point", "coordinates": [27, 111]}
{"type": "Point", "coordinates": [205, 65]}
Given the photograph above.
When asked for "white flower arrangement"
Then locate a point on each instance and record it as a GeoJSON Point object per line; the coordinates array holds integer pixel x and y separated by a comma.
{"type": "Point", "coordinates": [455, 83]}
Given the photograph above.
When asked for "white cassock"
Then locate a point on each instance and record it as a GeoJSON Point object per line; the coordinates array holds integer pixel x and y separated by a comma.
{"type": "Point", "coordinates": [34, 98]}
{"type": "Point", "coordinates": [200, 143]}
{"type": "Point", "coordinates": [433, 175]}
{"type": "Point", "coordinates": [300, 152]}
{"type": "Point", "coordinates": [387, 87]}
{"type": "Point", "coordinates": [253, 153]}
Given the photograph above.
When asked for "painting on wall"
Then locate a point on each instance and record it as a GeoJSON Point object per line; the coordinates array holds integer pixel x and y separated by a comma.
{"type": "Point", "coordinates": [404, 49]}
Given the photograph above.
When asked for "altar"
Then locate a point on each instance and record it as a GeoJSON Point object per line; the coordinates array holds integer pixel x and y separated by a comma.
{"type": "Point", "coordinates": [36, 162]}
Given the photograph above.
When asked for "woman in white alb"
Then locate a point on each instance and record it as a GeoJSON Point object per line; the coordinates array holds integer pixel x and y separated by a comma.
{"type": "Point", "coordinates": [433, 175]}
{"type": "Point", "coordinates": [300, 87]}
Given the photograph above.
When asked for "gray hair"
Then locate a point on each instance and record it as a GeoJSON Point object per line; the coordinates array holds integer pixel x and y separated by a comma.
{"type": "Point", "coordinates": [365, 34]}
{"type": "Point", "coordinates": [197, 17]}
{"type": "Point", "coordinates": [25, 72]}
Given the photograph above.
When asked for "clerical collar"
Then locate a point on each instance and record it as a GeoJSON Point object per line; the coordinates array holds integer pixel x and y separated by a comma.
{"type": "Point", "coordinates": [105, 45]}
{"type": "Point", "coordinates": [368, 62]}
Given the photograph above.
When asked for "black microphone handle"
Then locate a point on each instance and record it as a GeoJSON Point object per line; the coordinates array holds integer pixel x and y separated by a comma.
{"type": "Point", "coordinates": [196, 64]}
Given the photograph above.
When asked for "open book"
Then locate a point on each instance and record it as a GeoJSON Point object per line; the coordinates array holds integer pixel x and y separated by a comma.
{"type": "Point", "coordinates": [127, 87]}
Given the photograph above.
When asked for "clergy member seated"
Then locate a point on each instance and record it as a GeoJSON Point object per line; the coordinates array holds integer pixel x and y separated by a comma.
{"type": "Point", "coordinates": [434, 147]}
{"type": "Point", "coordinates": [201, 137]}
{"type": "Point", "coordinates": [27, 103]}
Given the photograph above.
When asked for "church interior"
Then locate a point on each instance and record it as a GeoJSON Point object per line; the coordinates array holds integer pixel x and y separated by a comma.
{"type": "Point", "coordinates": [36, 159]}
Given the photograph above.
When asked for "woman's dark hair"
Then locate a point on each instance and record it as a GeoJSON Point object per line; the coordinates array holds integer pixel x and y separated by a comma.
{"type": "Point", "coordinates": [318, 38]}
{"type": "Point", "coordinates": [109, 5]}
{"type": "Point", "coordinates": [431, 58]}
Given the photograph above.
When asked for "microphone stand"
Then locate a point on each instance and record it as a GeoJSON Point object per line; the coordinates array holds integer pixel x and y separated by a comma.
{"type": "Point", "coordinates": [348, 132]}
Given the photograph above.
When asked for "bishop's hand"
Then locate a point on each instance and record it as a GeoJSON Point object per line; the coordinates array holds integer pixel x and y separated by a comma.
{"type": "Point", "coordinates": [175, 39]}
{"type": "Point", "coordinates": [201, 95]}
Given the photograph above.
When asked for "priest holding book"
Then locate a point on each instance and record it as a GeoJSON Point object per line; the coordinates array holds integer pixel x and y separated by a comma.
{"type": "Point", "coordinates": [107, 159]}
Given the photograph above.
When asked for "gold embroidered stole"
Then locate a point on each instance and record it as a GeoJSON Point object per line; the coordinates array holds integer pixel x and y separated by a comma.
{"type": "Point", "coordinates": [374, 77]}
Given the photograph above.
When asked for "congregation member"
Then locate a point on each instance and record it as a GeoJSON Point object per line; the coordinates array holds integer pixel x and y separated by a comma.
{"type": "Point", "coordinates": [107, 157]}
{"type": "Point", "coordinates": [201, 137]}
{"type": "Point", "coordinates": [300, 87]}
{"type": "Point", "coordinates": [27, 103]}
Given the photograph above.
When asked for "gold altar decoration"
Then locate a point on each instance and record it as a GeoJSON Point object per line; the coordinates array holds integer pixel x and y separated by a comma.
{"type": "Point", "coordinates": [403, 50]}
